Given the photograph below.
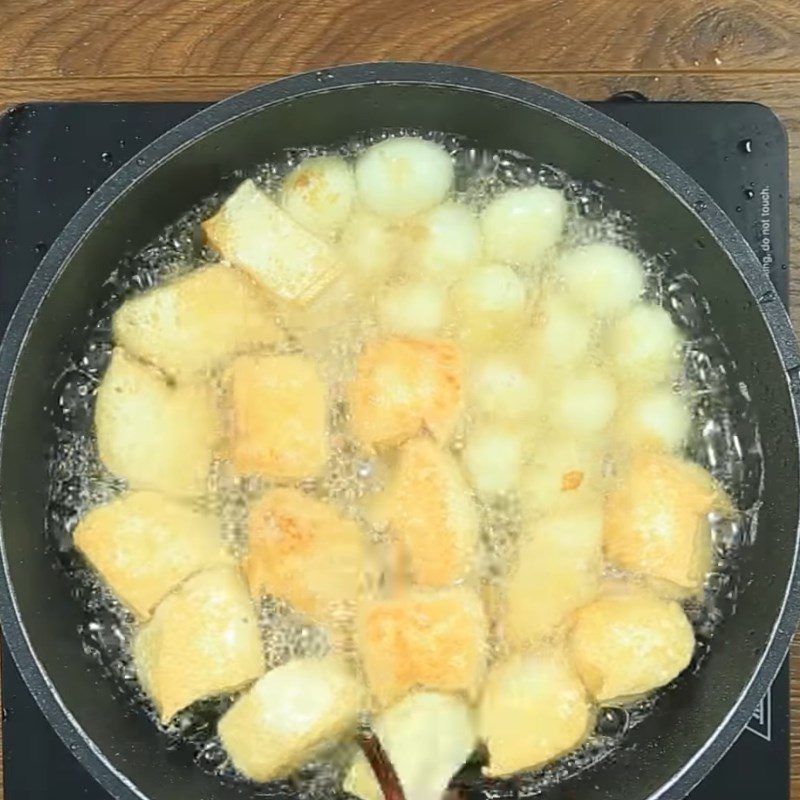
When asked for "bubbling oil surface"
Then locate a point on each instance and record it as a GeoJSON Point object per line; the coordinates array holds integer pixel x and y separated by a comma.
{"type": "Point", "coordinates": [724, 439]}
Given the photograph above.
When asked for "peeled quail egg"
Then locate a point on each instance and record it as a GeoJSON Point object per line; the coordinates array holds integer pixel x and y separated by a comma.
{"type": "Point", "coordinates": [604, 278]}
{"type": "Point", "coordinates": [562, 473]}
{"type": "Point", "coordinates": [658, 419]}
{"type": "Point", "coordinates": [563, 332]}
{"type": "Point", "coordinates": [584, 403]}
{"type": "Point", "coordinates": [502, 388]}
{"type": "Point", "coordinates": [490, 301]}
{"type": "Point", "coordinates": [403, 176]}
{"type": "Point", "coordinates": [319, 194]}
{"type": "Point", "coordinates": [369, 247]}
{"type": "Point", "coordinates": [643, 345]}
{"type": "Point", "coordinates": [444, 243]}
{"type": "Point", "coordinates": [493, 458]}
{"type": "Point", "coordinates": [520, 225]}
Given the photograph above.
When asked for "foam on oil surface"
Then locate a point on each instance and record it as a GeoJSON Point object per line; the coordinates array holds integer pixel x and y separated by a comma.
{"type": "Point", "coordinates": [724, 439]}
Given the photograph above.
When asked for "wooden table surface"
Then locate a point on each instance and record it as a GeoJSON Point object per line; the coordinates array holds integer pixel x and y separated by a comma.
{"type": "Point", "coordinates": [206, 49]}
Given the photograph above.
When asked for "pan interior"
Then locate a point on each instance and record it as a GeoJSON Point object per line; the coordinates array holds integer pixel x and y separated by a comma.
{"type": "Point", "coordinates": [687, 716]}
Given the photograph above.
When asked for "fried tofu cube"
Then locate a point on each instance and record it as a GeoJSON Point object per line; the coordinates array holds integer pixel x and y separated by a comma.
{"type": "Point", "coordinates": [435, 640]}
{"type": "Point", "coordinates": [288, 713]}
{"type": "Point", "coordinates": [202, 640]}
{"type": "Point", "coordinates": [154, 435]}
{"type": "Point", "coordinates": [254, 233]}
{"type": "Point", "coordinates": [432, 514]}
{"type": "Point", "coordinates": [304, 551]}
{"type": "Point", "coordinates": [656, 521]}
{"type": "Point", "coordinates": [629, 642]}
{"type": "Point", "coordinates": [278, 416]}
{"type": "Point", "coordinates": [427, 737]}
{"type": "Point", "coordinates": [557, 570]}
{"type": "Point", "coordinates": [404, 386]}
{"type": "Point", "coordinates": [533, 710]}
{"type": "Point", "coordinates": [143, 544]}
{"type": "Point", "coordinates": [193, 324]}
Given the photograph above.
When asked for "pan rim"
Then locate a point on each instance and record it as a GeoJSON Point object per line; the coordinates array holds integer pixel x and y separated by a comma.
{"type": "Point", "coordinates": [671, 177]}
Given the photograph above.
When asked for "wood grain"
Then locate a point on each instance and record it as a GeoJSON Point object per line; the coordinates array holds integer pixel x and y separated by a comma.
{"type": "Point", "coordinates": [207, 49]}
{"type": "Point", "coordinates": [113, 38]}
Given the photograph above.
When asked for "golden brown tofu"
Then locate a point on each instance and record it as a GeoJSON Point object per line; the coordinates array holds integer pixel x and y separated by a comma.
{"type": "Point", "coordinates": [556, 571]}
{"type": "Point", "coordinates": [629, 642]}
{"type": "Point", "coordinates": [656, 521]}
{"type": "Point", "coordinates": [144, 544]}
{"type": "Point", "coordinates": [193, 324]}
{"type": "Point", "coordinates": [434, 640]}
{"type": "Point", "coordinates": [278, 416]}
{"type": "Point", "coordinates": [404, 386]}
{"type": "Point", "coordinates": [287, 714]}
{"type": "Point", "coordinates": [154, 435]}
{"type": "Point", "coordinates": [304, 551]}
{"type": "Point", "coordinates": [254, 233]}
{"type": "Point", "coordinates": [201, 641]}
{"type": "Point", "coordinates": [431, 514]}
{"type": "Point", "coordinates": [533, 710]}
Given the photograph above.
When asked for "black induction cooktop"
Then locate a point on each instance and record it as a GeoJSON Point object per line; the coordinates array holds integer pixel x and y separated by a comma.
{"type": "Point", "coordinates": [53, 156]}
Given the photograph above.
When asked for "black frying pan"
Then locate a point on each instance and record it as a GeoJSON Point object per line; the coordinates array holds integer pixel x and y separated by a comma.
{"type": "Point", "coordinates": [694, 723]}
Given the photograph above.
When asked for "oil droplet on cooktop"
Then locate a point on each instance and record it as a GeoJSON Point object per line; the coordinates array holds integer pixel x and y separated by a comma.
{"type": "Point", "coordinates": [746, 146]}
{"type": "Point", "coordinates": [699, 205]}
{"type": "Point", "coordinates": [40, 248]}
{"type": "Point", "coordinates": [749, 194]}
{"type": "Point", "coordinates": [106, 157]}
